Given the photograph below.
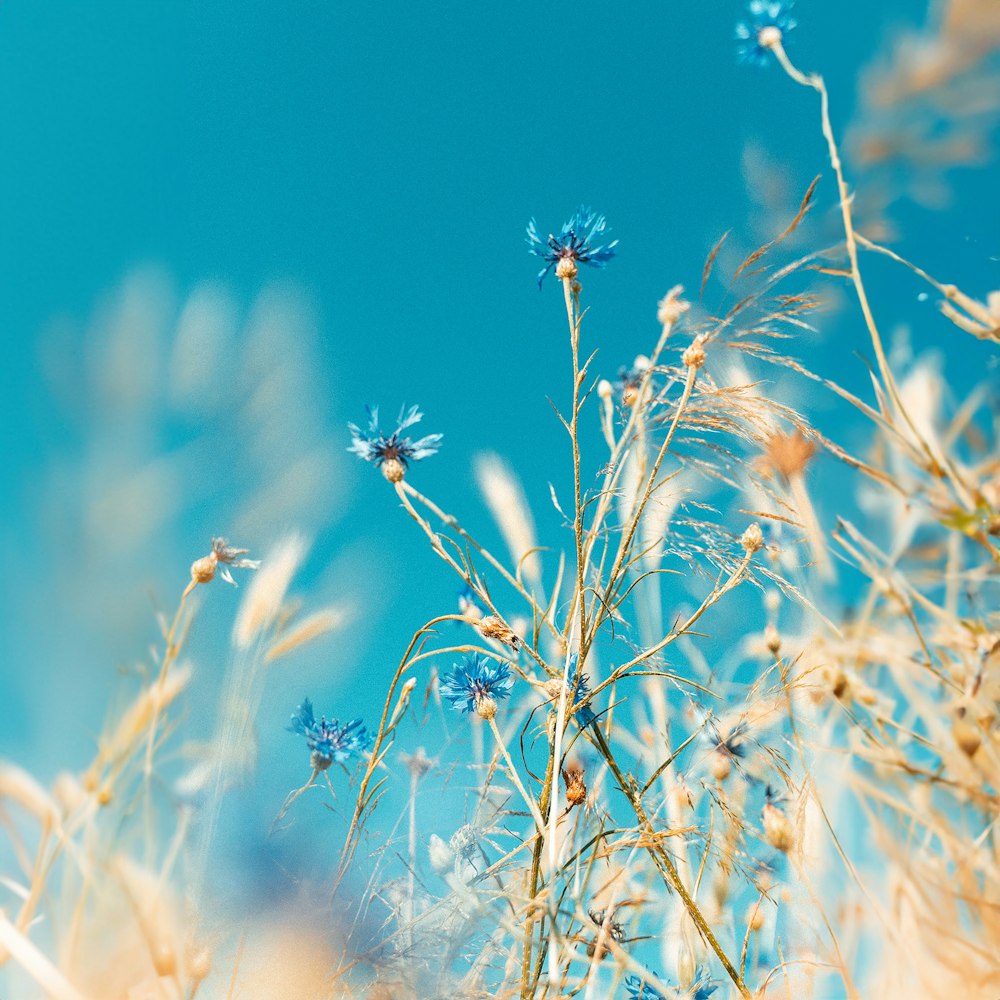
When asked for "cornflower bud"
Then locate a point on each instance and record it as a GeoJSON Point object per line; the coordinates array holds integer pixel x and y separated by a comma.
{"type": "Point", "coordinates": [753, 538]}
{"type": "Point", "coordinates": [694, 355]}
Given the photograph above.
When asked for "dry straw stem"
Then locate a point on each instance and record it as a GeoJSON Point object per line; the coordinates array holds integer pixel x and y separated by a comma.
{"type": "Point", "coordinates": [815, 82]}
{"type": "Point", "coordinates": [18, 946]}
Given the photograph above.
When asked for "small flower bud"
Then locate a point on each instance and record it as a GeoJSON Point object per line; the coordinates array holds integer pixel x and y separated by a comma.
{"type": "Point", "coordinates": [486, 707]}
{"type": "Point", "coordinates": [721, 765]}
{"type": "Point", "coordinates": [199, 964]}
{"type": "Point", "coordinates": [393, 470]}
{"type": "Point", "coordinates": [753, 538]}
{"type": "Point", "coordinates": [966, 736]}
{"type": "Point", "coordinates": [755, 918]}
{"type": "Point", "coordinates": [840, 686]}
{"type": "Point", "coordinates": [576, 789]}
{"type": "Point", "coordinates": [604, 389]}
{"type": "Point", "coordinates": [553, 687]}
{"type": "Point", "coordinates": [494, 628]}
{"type": "Point", "coordinates": [694, 355]}
{"type": "Point", "coordinates": [630, 396]}
{"type": "Point", "coordinates": [203, 570]}
{"type": "Point", "coordinates": [671, 307]}
{"type": "Point", "coordinates": [769, 36]}
{"type": "Point", "coordinates": [777, 828]}
{"type": "Point", "coordinates": [566, 269]}
{"type": "Point", "coordinates": [164, 959]}
{"type": "Point", "coordinates": [320, 762]}
{"type": "Point", "coordinates": [773, 638]}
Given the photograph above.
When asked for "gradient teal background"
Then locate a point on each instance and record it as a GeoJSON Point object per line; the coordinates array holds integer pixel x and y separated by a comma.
{"type": "Point", "coordinates": [385, 158]}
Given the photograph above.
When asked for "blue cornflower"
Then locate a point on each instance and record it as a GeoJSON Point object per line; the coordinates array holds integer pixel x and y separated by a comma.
{"type": "Point", "coordinates": [702, 987]}
{"type": "Point", "coordinates": [579, 688]}
{"type": "Point", "coordinates": [392, 454]}
{"type": "Point", "coordinates": [329, 741]}
{"type": "Point", "coordinates": [475, 684]}
{"type": "Point", "coordinates": [574, 245]}
{"type": "Point", "coordinates": [769, 23]}
{"type": "Point", "coordinates": [639, 989]}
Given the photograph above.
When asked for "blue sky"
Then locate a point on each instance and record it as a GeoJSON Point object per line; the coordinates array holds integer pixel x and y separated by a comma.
{"type": "Point", "coordinates": [384, 158]}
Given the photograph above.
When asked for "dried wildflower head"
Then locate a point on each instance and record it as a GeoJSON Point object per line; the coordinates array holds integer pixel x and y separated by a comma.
{"type": "Point", "coordinates": [392, 454]}
{"type": "Point", "coordinates": [575, 244]}
{"type": "Point", "coordinates": [464, 842]}
{"type": "Point", "coordinates": [768, 25]}
{"type": "Point", "coordinates": [694, 353]}
{"type": "Point", "coordinates": [203, 570]}
{"type": "Point", "coordinates": [475, 684]}
{"type": "Point", "coordinates": [576, 788]}
{"type": "Point", "coordinates": [329, 741]}
{"type": "Point", "coordinates": [752, 539]}
{"type": "Point", "coordinates": [493, 627]}
{"type": "Point", "coordinates": [772, 638]}
{"type": "Point", "coordinates": [967, 734]}
{"type": "Point", "coordinates": [671, 307]}
{"type": "Point", "coordinates": [611, 930]}
{"type": "Point", "coordinates": [788, 454]}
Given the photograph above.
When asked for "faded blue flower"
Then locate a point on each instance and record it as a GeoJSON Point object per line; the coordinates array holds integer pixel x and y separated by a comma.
{"type": "Point", "coordinates": [730, 745]}
{"type": "Point", "coordinates": [392, 454]}
{"type": "Point", "coordinates": [639, 989]}
{"type": "Point", "coordinates": [701, 988]}
{"type": "Point", "coordinates": [769, 21]}
{"type": "Point", "coordinates": [576, 242]}
{"type": "Point", "coordinates": [475, 684]}
{"type": "Point", "coordinates": [579, 688]}
{"type": "Point", "coordinates": [329, 741]}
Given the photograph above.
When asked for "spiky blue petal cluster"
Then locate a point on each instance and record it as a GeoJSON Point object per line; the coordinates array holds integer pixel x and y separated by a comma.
{"type": "Point", "coordinates": [329, 740]}
{"type": "Point", "coordinates": [762, 14]}
{"type": "Point", "coordinates": [475, 678]}
{"type": "Point", "coordinates": [579, 688]}
{"type": "Point", "coordinates": [374, 446]}
{"type": "Point", "coordinates": [700, 989]}
{"type": "Point", "coordinates": [577, 241]}
{"type": "Point", "coordinates": [639, 989]}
